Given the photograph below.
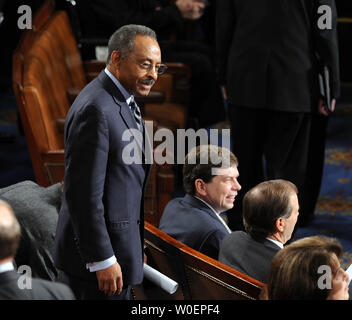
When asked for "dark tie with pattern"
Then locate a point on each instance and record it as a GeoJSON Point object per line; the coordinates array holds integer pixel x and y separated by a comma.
{"type": "Point", "coordinates": [137, 114]}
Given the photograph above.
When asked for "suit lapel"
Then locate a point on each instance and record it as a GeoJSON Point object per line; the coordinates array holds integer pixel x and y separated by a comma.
{"type": "Point", "coordinates": [125, 111]}
{"type": "Point", "coordinates": [194, 202]}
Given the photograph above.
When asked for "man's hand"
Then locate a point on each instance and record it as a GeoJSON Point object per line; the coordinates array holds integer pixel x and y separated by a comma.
{"type": "Point", "coordinates": [191, 9]}
{"type": "Point", "coordinates": [224, 93]}
{"type": "Point", "coordinates": [322, 109]}
{"type": "Point", "coordinates": [110, 279]}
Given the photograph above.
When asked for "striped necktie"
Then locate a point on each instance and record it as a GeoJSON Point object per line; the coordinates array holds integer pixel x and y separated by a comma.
{"type": "Point", "coordinates": [137, 114]}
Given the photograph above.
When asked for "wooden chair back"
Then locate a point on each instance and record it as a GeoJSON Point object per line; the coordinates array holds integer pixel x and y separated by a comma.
{"type": "Point", "coordinates": [209, 279]}
{"type": "Point", "coordinates": [164, 255]}
{"type": "Point", "coordinates": [199, 276]}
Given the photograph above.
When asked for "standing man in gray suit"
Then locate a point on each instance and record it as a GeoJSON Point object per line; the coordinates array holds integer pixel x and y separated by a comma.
{"type": "Point", "coordinates": [11, 285]}
{"type": "Point", "coordinates": [270, 212]}
{"type": "Point", "coordinates": [99, 238]}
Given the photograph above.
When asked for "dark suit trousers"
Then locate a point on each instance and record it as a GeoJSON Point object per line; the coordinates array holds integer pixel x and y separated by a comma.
{"type": "Point", "coordinates": [315, 167]}
{"type": "Point", "coordinates": [89, 290]}
{"type": "Point", "coordinates": [269, 145]}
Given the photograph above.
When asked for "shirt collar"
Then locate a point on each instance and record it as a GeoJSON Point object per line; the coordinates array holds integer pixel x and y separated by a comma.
{"type": "Point", "coordinates": [207, 204]}
{"type": "Point", "coordinates": [217, 214]}
{"type": "Point", "coordinates": [128, 97]}
{"type": "Point", "coordinates": [7, 266]}
{"type": "Point", "coordinates": [278, 243]}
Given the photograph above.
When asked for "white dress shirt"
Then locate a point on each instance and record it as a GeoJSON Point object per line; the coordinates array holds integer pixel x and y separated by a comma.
{"type": "Point", "coordinates": [7, 266]}
{"type": "Point", "coordinates": [278, 243]}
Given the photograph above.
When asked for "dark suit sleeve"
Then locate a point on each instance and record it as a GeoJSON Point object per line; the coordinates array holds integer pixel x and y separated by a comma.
{"type": "Point", "coordinates": [327, 44]}
{"type": "Point", "coordinates": [225, 25]}
{"type": "Point", "coordinates": [211, 244]}
{"type": "Point", "coordinates": [87, 151]}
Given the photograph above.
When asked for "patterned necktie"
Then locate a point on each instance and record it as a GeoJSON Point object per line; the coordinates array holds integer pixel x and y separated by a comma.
{"type": "Point", "coordinates": [137, 114]}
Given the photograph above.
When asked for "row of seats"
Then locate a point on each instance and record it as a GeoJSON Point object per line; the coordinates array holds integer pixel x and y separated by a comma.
{"type": "Point", "coordinates": [199, 277]}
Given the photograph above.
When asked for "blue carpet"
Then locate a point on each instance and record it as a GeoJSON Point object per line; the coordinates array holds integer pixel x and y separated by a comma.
{"type": "Point", "coordinates": [333, 214]}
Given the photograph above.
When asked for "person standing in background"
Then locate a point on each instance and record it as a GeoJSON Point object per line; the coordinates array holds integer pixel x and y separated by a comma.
{"type": "Point", "coordinates": [267, 57]}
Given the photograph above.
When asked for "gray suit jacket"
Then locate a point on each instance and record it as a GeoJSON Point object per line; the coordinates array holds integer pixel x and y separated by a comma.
{"type": "Point", "coordinates": [253, 258]}
{"type": "Point", "coordinates": [37, 210]}
{"type": "Point", "coordinates": [193, 223]}
{"type": "Point", "coordinates": [40, 289]}
{"type": "Point", "coordinates": [102, 212]}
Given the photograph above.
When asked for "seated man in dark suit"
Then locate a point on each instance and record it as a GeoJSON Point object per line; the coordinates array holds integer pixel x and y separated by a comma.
{"type": "Point", "coordinates": [211, 188]}
{"type": "Point", "coordinates": [14, 286]}
{"type": "Point", "coordinates": [270, 212]}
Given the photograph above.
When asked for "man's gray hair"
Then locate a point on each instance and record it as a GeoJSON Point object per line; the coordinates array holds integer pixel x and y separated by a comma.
{"type": "Point", "coordinates": [122, 39]}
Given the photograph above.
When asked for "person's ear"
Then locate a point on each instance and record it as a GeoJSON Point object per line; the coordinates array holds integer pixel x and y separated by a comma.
{"type": "Point", "coordinates": [280, 224]}
{"type": "Point", "coordinates": [200, 186]}
{"type": "Point", "coordinates": [115, 58]}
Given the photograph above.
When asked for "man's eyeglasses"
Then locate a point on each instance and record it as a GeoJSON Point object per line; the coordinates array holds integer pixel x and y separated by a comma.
{"type": "Point", "coordinates": [160, 68]}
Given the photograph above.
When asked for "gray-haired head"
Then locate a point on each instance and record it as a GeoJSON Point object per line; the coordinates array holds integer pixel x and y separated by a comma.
{"type": "Point", "coordinates": [122, 39]}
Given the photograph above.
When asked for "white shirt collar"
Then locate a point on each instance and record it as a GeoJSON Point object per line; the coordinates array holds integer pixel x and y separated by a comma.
{"type": "Point", "coordinates": [206, 204]}
{"type": "Point", "coordinates": [217, 214]}
{"type": "Point", "coordinates": [128, 97]}
{"type": "Point", "coordinates": [278, 243]}
{"type": "Point", "coordinates": [7, 266]}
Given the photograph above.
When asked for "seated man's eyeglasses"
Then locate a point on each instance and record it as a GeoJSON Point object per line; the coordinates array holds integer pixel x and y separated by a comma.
{"type": "Point", "coordinates": [160, 68]}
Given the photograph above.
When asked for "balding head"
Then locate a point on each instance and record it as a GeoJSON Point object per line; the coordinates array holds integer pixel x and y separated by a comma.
{"type": "Point", "coordinates": [264, 204]}
{"type": "Point", "coordinates": [10, 231]}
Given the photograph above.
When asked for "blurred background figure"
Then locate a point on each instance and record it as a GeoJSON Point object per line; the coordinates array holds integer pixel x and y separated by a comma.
{"type": "Point", "coordinates": [267, 57]}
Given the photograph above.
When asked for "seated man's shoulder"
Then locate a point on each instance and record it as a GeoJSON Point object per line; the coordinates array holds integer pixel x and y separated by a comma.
{"type": "Point", "coordinates": [23, 185]}
{"type": "Point", "coordinates": [235, 237]}
{"type": "Point", "coordinates": [48, 290]}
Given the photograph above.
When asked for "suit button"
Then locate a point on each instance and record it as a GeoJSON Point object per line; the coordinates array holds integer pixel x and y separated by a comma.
{"type": "Point", "coordinates": [138, 221]}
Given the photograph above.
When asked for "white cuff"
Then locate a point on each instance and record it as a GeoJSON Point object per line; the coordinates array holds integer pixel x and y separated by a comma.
{"type": "Point", "coordinates": [100, 265]}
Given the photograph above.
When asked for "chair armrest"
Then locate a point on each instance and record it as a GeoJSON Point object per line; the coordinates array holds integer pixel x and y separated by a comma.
{"type": "Point", "coordinates": [60, 124]}
{"type": "Point", "coordinates": [181, 81]}
{"type": "Point", "coordinates": [54, 156]}
{"type": "Point", "coordinates": [152, 97]}
{"type": "Point", "coordinates": [54, 165]}
{"type": "Point", "coordinates": [72, 93]}
{"type": "Point", "coordinates": [92, 68]}
{"type": "Point", "coordinates": [179, 69]}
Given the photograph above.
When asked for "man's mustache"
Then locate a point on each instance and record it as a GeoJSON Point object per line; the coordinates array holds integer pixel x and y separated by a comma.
{"type": "Point", "coordinates": [148, 82]}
